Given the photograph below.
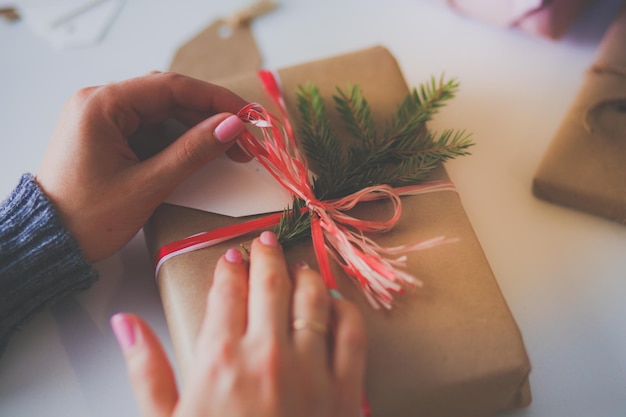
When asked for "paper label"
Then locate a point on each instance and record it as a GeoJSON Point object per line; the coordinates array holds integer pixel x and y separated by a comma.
{"type": "Point", "coordinates": [232, 189]}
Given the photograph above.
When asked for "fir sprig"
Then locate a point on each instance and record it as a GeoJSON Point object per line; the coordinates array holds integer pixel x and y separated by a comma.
{"type": "Point", "coordinates": [421, 163]}
{"type": "Point", "coordinates": [317, 137]}
{"type": "Point", "coordinates": [405, 154]}
{"type": "Point", "coordinates": [357, 115]}
{"type": "Point", "coordinates": [419, 106]}
{"type": "Point", "coordinates": [294, 225]}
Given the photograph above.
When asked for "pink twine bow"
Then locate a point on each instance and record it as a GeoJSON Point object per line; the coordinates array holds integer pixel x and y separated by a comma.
{"type": "Point", "coordinates": [332, 229]}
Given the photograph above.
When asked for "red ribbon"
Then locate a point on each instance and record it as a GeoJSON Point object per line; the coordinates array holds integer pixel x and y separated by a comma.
{"type": "Point", "coordinates": [332, 229]}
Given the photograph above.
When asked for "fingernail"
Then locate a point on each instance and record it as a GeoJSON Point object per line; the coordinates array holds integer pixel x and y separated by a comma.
{"type": "Point", "coordinates": [268, 238]}
{"type": "Point", "coordinates": [301, 265]}
{"type": "Point", "coordinates": [335, 294]}
{"type": "Point", "coordinates": [229, 129]}
{"type": "Point", "coordinates": [233, 256]}
{"type": "Point", "coordinates": [124, 330]}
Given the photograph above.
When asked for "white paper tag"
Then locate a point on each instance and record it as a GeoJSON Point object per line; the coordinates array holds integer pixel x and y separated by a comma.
{"type": "Point", "coordinates": [232, 189]}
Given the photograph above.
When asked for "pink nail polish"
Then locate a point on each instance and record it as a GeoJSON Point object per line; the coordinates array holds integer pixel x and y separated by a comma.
{"type": "Point", "coordinates": [233, 256]}
{"type": "Point", "coordinates": [268, 238]}
{"type": "Point", "coordinates": [301, 265]}
{"type": "Point", "coordinates": [229, 129]}
{"type": "Point", "coordinates": [124, 330]}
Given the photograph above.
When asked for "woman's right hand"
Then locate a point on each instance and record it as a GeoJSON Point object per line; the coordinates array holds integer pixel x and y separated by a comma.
{"type": "Point", "coordinates": [92, 172]}
{"type": "Point", "coordinates": [273, 343]}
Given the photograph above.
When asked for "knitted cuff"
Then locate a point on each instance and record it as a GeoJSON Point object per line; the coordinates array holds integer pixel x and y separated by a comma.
{"type": "Point", "coordinates": [40, 262]}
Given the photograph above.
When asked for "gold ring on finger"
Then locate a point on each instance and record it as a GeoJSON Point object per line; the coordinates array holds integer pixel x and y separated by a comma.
{"type": "Point", "coordinates": [304, 324]}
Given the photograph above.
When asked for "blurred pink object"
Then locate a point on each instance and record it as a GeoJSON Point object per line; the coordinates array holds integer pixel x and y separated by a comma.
{"type": "Point", "coordinates": [547, 18]}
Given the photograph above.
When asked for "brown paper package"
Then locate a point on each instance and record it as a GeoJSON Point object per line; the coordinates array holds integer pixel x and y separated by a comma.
{"type": "Point", "coordinates": [585, 165]}
{"type": "Point", "coordinates": [451, 348]}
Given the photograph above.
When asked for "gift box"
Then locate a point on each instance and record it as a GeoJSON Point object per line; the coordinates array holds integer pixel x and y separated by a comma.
{"type": "Point", "coordinates": [549, 19]}
{"type": "Point", "coordinates": [450, 348]}
{"type": "Point", "coordinates": [584, 165]}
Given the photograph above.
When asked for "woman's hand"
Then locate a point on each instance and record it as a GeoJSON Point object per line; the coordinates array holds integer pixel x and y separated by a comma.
{"type": "Point", "coordinates": [273, 343]}
{"type": "Point", "coordinates": [102, 190]}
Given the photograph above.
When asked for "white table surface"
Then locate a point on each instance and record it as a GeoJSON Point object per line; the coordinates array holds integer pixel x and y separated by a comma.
{"type": "Point", "coordinates": [562, 272]}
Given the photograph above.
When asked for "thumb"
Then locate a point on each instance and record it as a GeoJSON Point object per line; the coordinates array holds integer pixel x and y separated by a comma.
{"type": "Point", "coordinates": [195, 148]}
{"type": "Point", "coordinates": [149, 369]}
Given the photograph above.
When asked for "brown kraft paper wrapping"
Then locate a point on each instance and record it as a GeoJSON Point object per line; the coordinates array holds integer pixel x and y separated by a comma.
{"type": "Point", "coordinates": [451, 348]}
{"type": "Point", "coordinates": [584, 167]}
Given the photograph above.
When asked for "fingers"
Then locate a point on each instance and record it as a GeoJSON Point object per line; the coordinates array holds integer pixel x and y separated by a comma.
{"type": "Point", "coordinates": [270, 289]}
{"type": "Point", "coordinates": [311, 306]}
{"type": "Point", "coordinates": [190, 152]}
{"type": "Point", "coordinates": [252, 308]}
{"type": "Point", "coordinates": [149, 370]}
{"type": "Point", "coordinates": [151, 100]}
{"type": "Point", "coordinates": [349, 347]}
{"type": "Point", "coordinates": [98, 122]}
{"type": "Point", "coordinates": [227, 305]}
{"type": "Point", "coordinates": [154, 98]}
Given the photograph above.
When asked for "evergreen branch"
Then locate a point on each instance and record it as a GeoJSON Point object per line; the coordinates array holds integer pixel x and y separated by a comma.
{"type": "Point", "coordinates": [294, 225]}
{"type": "Point", "coordinates": [419, 106]}
{"type": "Point", "coordinates": [356, 114]}
{"type": "Point", "coordinates": [435, 94]}
{"type": "Point", "coordinates": [412, 171]}
{"type": "Point", "coordinates": [408, 165]}
{"type": "Point", "coordinates": [318, 138]}
{"type": "Point", "coordinates": [357, 180]}
{"type": "Point", "coordinates": [406, 155]}
{"type": "Point", "coordinates": [450, 144]}
{"type": "Point", "coordinates": [418, 164]}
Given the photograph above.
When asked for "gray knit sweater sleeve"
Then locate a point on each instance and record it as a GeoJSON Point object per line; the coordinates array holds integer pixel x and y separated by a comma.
{"type": "Point", "coordinates": [40, 262]}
